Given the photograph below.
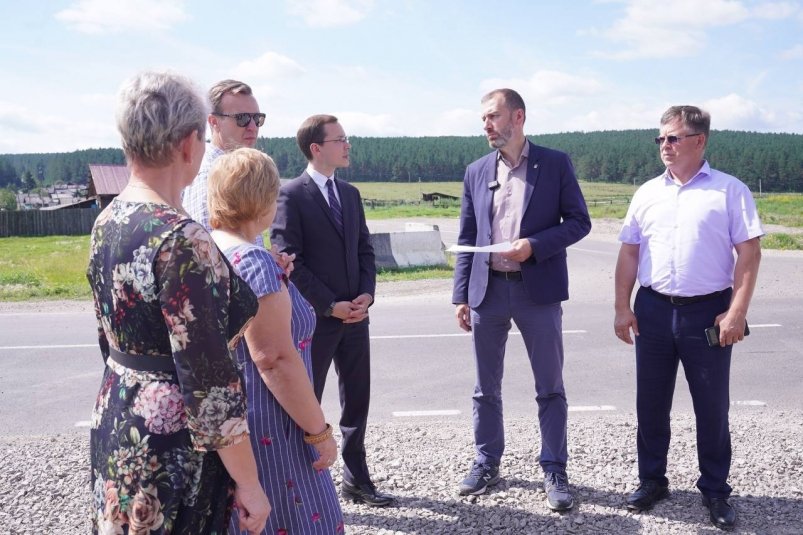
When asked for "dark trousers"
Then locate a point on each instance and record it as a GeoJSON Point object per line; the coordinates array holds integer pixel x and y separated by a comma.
{"type": "Point", "coordinates": [541, 328]}
{"type": "Point", "coordinates": [669, 334]}
{"type": "Point", "coordinates": [348, 345]}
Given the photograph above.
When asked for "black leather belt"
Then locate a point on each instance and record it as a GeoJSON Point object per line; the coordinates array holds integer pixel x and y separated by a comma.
{"type": "Point", "coordinates": [507, 275]}
{"type": "Point", "coordinates": [143, 363]}
{"type": "Point", "coordinates": [680, 301]}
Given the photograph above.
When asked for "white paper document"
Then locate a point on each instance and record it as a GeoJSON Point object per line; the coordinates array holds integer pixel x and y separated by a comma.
{"type": "Point", "coordinates": [495, 248]}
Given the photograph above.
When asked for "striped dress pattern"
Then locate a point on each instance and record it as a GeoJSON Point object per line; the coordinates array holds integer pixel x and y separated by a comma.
{"type": "Point", "coordinates": [303, 500]}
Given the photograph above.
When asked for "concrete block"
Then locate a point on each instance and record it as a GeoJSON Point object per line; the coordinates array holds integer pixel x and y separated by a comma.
{"type": "Point", "coordinates": [408, 249]}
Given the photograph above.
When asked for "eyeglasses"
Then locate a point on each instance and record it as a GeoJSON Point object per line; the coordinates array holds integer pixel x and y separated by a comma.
{"type": "Point", "coordinates": [672, 139]}
{"type": "Point", "coordinates": [244, 119]}
{"type": "Point", "coordinates": [343, 139]}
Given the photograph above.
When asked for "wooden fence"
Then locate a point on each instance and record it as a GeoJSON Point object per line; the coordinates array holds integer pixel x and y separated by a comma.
{"type": "Point", "coordinates": [79, 221]}
{"type": "Point", "coordinates": [73, 222]}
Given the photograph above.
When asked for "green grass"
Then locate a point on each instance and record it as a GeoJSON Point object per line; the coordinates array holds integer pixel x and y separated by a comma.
{"type": "Point", "coordinates": [414, 273]}
{"type": "Point", "coordinates": [781, 209]}
{"type": "Point", "coordinates": [780, 240]}
{"type": "Point", "coordinates": [52, 267]}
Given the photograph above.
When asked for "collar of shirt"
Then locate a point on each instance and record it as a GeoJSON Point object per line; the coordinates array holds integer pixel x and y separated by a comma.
{"type": "Point", "coordinates": [705, 170]}
{"type": "Point", "coordinates": [320, 181]}
{"type": "Point", "coordinates": [525, 152]}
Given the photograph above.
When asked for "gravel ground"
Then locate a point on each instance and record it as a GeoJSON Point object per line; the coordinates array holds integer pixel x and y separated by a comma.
{"type": "Point", "coordinates": [44, 481]}
{"type": "Point", "coordinates": [44, 486]}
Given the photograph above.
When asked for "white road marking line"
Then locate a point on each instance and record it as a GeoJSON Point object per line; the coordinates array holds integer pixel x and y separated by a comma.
{"type": "Point", "coordinates": [750, 403]}
{"type": "Point", "coordinates": [65, 346]}
{"type": "Point", "coordinates": [591, 408]}
{"type": "Point", "coordinates": [449, 335]}
{"type": "Point", "coordinates": [765, 325]}
{"type": "Point", "coordinates": [597, 251]}
{"type": "Point", "coordinates": [83, 423]}
{"type": "Point", "coordinates": [16, 314]}
{"type": "Point", "coordinates": [445, 412]}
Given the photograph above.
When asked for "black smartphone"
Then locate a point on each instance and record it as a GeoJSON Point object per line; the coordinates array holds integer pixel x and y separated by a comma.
{"type": "Point", "coordinates": [712, 334]}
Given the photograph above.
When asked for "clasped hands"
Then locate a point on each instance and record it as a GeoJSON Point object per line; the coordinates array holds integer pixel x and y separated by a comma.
{"type": "Point", "coordinates": [353, 311]}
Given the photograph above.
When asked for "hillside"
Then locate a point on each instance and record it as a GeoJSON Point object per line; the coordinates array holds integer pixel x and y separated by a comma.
{"type": "Point", "coordinates": [626, 156]}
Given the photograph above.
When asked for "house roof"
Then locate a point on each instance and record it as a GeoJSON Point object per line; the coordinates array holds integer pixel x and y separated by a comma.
{"type": "Point", "coordinates": [108, 179]}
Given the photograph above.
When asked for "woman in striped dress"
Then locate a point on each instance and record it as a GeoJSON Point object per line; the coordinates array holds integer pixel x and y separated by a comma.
{"type": "Point", "coordinates": [292, 442]}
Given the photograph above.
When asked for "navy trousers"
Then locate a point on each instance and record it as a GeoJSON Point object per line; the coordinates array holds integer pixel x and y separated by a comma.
{"type": "Point", "coordinates": [669, 334]}
{"type": "Point", "coordinates": [541, 328]}
{"type": "Point", "coordinates": [348, 345]}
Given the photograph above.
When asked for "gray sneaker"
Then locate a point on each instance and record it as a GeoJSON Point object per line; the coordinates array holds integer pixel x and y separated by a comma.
{"type": "Point", "coordinates": [558, 495]}
{"type": "Point", "coordinates": [479, 478]}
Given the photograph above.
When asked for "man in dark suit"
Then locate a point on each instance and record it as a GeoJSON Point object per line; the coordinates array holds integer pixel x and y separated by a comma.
{"type": "Point", "coordinates": [526, 195]}
{"type": "Point", "coordinates": [321, 220]}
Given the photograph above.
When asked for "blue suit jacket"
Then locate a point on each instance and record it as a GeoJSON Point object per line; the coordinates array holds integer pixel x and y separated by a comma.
{"type": "Point", "coordinates": [555, 216]}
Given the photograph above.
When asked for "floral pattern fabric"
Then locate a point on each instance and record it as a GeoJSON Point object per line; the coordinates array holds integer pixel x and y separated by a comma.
{"type": "Point", "coordinates": [162, 289]}
{"type": "Point", "coordinates": [303, 501]}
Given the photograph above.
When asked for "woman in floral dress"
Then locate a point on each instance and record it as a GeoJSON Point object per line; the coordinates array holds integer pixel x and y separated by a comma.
{"type": "Point", "coordinates": [292, 441]}
{"type": "Point", "coordinates": [169, 437]}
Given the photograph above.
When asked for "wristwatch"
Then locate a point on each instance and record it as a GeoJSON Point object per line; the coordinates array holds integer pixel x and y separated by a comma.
{"type": "Point", "coordinates": [328, 312]}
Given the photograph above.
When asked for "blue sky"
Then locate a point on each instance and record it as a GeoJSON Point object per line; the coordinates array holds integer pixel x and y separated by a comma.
{"type": "Point", "coordinates": [405, 67]}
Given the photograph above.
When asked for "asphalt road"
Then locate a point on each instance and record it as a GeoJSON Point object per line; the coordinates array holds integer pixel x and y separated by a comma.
{"type": "Point", "coordinates": [50, 366]}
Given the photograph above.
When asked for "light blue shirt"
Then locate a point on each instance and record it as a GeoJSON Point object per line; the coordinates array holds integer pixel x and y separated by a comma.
{"type": "Point", "coordinates": [195, 197]}
{"type": "Point", "coordinates": [686, 233]}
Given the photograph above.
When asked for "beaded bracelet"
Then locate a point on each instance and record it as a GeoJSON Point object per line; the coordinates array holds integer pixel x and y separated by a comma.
{"type": "Point", "coordinates": [324, 435]}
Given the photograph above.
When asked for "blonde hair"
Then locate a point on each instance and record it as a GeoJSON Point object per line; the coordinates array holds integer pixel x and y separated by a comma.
{"type": "Point", "coordinates": [243, 184]}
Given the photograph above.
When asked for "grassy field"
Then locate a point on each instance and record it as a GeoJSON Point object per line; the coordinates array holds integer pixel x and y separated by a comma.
{"type": "Point", "coordinates": [54, 267]}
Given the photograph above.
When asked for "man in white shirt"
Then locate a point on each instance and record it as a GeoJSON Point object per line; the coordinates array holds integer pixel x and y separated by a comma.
{"type": "Point", "coordinates": [678, 239]}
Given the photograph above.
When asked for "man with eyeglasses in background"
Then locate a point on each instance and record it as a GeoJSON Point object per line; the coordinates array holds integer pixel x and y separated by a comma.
{"type": "Point", "coordinates": [320, 220]}
{"type": "Point", "coordinates": [678, 239]}
{"type": "Point", "coordinates": [234, 122]}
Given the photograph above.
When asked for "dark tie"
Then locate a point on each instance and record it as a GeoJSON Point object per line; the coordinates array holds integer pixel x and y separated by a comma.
{"type": "Point", "coordinates": [337, 211]}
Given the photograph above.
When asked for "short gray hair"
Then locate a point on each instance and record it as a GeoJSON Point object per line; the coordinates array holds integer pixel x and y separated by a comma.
{"type": "Point", "coordinates": [155, 111]}
{"type": "Point", "coordinates": [699, 121]}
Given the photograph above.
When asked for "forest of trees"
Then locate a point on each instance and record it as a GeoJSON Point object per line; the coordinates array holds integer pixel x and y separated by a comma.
{"type": "Point", "coordinates": [628, 156]}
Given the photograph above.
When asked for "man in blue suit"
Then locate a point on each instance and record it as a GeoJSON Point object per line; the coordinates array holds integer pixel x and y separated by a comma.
{"type": "Point", "coordinates": [529, 196]}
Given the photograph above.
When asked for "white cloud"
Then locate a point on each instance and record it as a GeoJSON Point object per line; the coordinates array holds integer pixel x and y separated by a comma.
{"type": "Point", "coordinates": [458, 121]}
{"type": "Point", "coordinates": [614, 116]}
{"type": "Point", "coordinates": [775, 10]}
{"type": "Point", "coordinates": [330, 13]}
{"type": "Point", "coordinates": [269, 66]}
{"type": "Point", "coordinates": [734, 112]}
{"type": "Point", "coordinates": [662, 31]}
{"type": "Point", "coordinates": [796, 52]}
{"type": "Point", "coordinates": [366, 124]}
{"type": "Point", "coordinates": [548, 87]}
{"type": "Point", "coordinates": [104, 16]}
{"type": "Point", "coordinates": [14, 117]}
{"type": "Point", "coordinates": [22, 128]}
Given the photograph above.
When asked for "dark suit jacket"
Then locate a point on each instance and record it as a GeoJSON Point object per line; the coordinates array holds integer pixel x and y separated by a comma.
{"type": "Point", "coordinates": [330, 265]}
{"type": "Point", "coordinates": [555, 216]}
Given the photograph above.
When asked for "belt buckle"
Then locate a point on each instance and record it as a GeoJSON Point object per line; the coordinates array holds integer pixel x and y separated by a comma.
{"type": "Point", "coordinates": [673, 301]}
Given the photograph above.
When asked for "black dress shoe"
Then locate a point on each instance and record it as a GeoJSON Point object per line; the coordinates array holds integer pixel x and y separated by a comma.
{"type": "Point", "coordinates": [366, 493]}
{"type": "Point", "coordinates": [645, 496]}
{"type": "Point", "coordinates": [721, 513]}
